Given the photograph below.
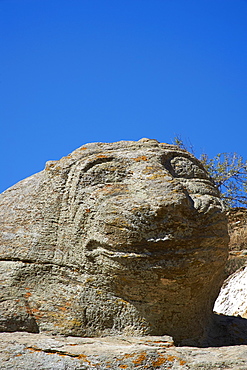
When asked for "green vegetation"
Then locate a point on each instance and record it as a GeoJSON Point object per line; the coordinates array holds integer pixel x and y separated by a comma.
{"type": "Point", "coordinates": [229, 173]}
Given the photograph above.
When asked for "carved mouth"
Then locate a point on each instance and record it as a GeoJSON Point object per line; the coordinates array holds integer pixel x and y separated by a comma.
{"type": "Point", "coordinates": [152, 248]}
{"type": "Point", "coordinates": [107, 252]}
{"type": "Point", "coordinates": [126, 254]}
{"type": "Point", "coordinates": [156, 240]}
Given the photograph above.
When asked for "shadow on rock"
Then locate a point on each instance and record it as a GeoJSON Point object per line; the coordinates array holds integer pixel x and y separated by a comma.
{"type": "Point", "coordinates": [28, 325]}
{"type": "Point", "coordinates": [226, 331]}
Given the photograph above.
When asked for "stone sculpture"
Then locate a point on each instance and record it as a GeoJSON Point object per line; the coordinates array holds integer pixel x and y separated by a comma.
{"type": "Point", "coordinates": [126, 238]}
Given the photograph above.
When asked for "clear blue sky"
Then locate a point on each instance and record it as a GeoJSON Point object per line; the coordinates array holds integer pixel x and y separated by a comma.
{"type": "Point", "coordinates": [78, 71]}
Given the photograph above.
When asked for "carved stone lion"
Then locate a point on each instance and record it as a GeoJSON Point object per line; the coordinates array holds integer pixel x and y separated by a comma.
{"type": "Point", "coordinates": [126, 238]}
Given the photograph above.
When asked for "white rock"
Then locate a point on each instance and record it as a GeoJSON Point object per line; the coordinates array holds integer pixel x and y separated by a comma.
{"type": "Point", "coordinates": [232, 299]}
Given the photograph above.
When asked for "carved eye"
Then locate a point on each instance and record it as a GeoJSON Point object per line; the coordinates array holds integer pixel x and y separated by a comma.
{"type": "Point", "coordinates": [103, 173]}
{"type": "Point", "coordinates": [185, 167]}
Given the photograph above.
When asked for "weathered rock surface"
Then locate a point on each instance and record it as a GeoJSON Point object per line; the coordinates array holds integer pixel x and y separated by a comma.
{"type": "Point", "coordinates": [237, 228]}
{"type": "Point", "coordinates": [25, 351]}
{"type": "Point", "coordinates": [127, 238]}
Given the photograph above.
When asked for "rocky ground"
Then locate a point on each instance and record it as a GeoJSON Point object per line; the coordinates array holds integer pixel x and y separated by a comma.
{"type": "Point", "coordinates": [25, 351]}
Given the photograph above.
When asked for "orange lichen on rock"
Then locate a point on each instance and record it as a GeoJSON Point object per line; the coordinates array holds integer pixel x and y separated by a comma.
{"type": "Point", "coordinates": [28, 294]}
{"type": "Point", "coordinates": [141, 158]}
{"type": "Point", "coordinates": [34, 349]}
{"type": "Point", "coordinates": [36, 313]}
{"type": "Point", "coordinates": [142, 357]}
{"type": "Point", "coordinates": [63, 308]}
{"type": "Point", "coordinates": [102, 156]}
{"type": "Point", "coordinates": [160, 360]}
{"type": "Point", "coordinates": [182, 362]}
{"type": "Point", "coordinates": [171, 358]}
{"type": "Point", "coordinates": [83, 357]}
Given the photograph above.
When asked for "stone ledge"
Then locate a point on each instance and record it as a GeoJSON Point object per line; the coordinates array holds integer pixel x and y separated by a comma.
{"type": "Point", "coordinates": [25, 351]}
